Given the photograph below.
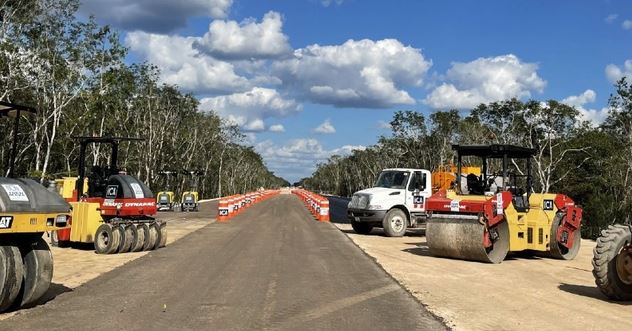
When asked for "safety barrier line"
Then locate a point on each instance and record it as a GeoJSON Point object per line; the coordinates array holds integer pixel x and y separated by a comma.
{"type": "Point", "coordinates": [316, 204]}
{"type": "Point", "coordinates": [229, 207]}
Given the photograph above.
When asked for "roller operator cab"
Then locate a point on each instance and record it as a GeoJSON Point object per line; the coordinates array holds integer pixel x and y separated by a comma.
{"type": "Point", "coordinates": [27, 210]}
{"type": "Point", "coordinates": [395, 203]}
{"type": "Point", "coordinates": [115, 212]}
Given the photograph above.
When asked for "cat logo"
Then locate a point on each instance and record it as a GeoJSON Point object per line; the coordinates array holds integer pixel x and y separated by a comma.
{"type": "Point", "coordinates": [5, 222]}
{"type": "Point", "coordinates": [111, 191]}
{"type": "Point", "coordinates": [548, 204]}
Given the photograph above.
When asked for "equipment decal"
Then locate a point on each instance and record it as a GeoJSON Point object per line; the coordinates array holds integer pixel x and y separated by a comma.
{"type": "Point", "coordinates": [138, 191]}
{"type": "Point", "coordinates": [499, 204]}
{"type": "Point", "coordinates": [5, 222]}
{"type": "Point", "coordinates": [111, 191]}
{"type": "Point", "coordinates": [455, 206]}
{"type": "Point", "coordinates": [15, 192]}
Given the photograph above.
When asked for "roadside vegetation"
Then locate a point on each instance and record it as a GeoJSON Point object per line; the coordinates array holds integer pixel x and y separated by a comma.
{"type": "Point", "coordinates": [592, 164]}
{"type": "Point", "coordinates": [75, 74]}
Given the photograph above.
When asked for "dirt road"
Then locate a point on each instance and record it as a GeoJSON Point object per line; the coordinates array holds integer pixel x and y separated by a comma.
{"type": "Point", "coordinates": [521, 293]}
{"type": "Point", "coordinates": [272, 267]}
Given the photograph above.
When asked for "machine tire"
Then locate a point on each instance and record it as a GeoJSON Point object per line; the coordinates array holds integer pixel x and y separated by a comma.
{"type": "Point", "coordinates": [611, 257]}
{"type": "Point", "coordinates": [361, 228]}
{"type": "Point", "coordinates": [127, 238]}
{"type": "Point", "coordinates": [106, 239]}
{"type": "Point", "coordinates": [156, 226]}
{"type": "Point", "coordinates": [150, 236]}
{"type": "Point", "coordinates": [11, 274]}
{"type": "Point", "coordinates": [395, 223]}
{"type": "Point", "coordinates": [557, 251]}
{"type": "Point", "coordinates": [37, 261]}
{"type": "Point", "coordinates": [163, 234]}
{"type": "Point", "coordinates": [139, 238]}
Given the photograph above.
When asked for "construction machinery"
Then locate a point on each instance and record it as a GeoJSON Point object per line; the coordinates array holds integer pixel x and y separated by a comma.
{"type": "Point", "coordinates": [190, 198]}
{"type": "Point", "coordinates": [115, 212]}
{"type": "Point", "coordinates": [612, 262]}
{"type": "Point", "coordinates": [165, 200]}
{"type": "Point", "coordinates": [499, 213]}
{"type": "Point", "coordinates": [27, 210]}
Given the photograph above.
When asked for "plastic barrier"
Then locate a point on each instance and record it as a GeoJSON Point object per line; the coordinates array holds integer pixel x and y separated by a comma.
{"type": "Point", "coordinates": [230, 206]}
{"type": "Point", "coordinates": [316, 204]}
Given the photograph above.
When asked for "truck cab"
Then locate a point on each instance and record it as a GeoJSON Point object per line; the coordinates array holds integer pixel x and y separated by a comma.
{"type": "Point", "coordinates": [396, 202]}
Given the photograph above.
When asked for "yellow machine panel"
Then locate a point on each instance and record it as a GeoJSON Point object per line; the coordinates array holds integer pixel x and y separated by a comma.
{"type": "Point", "coordinates": [66, 185]}
{"type": "Point", "coordinates": [195, 195]}
{"type": "Point", "coordinates": [532, 229]}
{"type": "Point", "coordinates": [31, 223]}
{"type": "Point", "coordinates": [87, 219]}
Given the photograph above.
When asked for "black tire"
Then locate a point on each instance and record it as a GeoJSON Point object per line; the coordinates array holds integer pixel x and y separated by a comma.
{"type": "Point", "coordinates": [361, 228]}
{"type": "Point", "coordinates": [37, 260]}
{"type": "Point", "coordinates": [127, 238]}
{"type": "Point", "coordinates": [150, 236]}
{"type": "Point", "coordinates": [139, 238]}
{"type": "Point", "coordinates": [106, 239]}
{"type": "Point", "coordinates": [557, 250]}
{"type": "Point", "coordinates": [163, 234]}
{"type": "Point", "coordinates": [11, 275]}
{"type": "Point", "coordinates": [395, 223]}
{"type": "Point", "coordinates": [612, 259]}
{"type": "Point", "coordinates": [156, 226]}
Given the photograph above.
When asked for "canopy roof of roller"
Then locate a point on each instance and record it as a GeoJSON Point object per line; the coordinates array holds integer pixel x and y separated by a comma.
{"type": "Point", "coordinates": [494, 151]}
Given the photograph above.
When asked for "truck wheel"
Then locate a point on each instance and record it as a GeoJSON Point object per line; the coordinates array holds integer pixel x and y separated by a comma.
{"type": "Point", "coordinates": [11, 274]}
{"type": "Point", "coordinates": [361, 228]}
{"type": "Point", "coordinates": [394, 223]}
{"type": "Point", "coordinates": [139, 238]}
{"type": "Point", "coordinates": [612, 262]}
{"type": "Point", "coordinates": [37, 260]}
{"type": "Point", "coordinates": [106, 239]}
{"type": "Point", "coordinates": [557, 250]}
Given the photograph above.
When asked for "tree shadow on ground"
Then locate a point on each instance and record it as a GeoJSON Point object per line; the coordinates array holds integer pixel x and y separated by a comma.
{"type": "Point", "coordinates": [590, 292]}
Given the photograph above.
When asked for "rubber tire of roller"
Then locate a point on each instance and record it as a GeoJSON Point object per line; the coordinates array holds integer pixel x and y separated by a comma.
{"type": "Point", "coordinates": [126, 238]}
{"type": "Point", "coordinates": [37, 260]}
{"type": "Point", "coordinates": [150, 236]}
{"type": "Point", "coordinates": [361, 227]}
{"type": "Point", "coordinates": [609, 246]}
{"type": "Point", "coordinates": [11, 275]}
{"type": "Point", "coordinates": [386, 223]}
{"type": "Point", "coordinates": [156, 226]}
{"type": "Point", "coordinates": [163, 234]}
{"type": "Point", "coordinates": [558, 251]}
{"type": "Point", "coordinates": [139, 238]}
{"type": "Point", "coordinates": [103, 245]}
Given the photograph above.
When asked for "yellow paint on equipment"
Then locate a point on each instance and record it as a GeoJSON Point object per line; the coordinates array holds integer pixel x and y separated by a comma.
{"type": "Point", "coordinates": [29, 222]}
{"type": "Point", "coordinates": [66, 185]}
{"type": "Point", "coordinates": [85, 221]}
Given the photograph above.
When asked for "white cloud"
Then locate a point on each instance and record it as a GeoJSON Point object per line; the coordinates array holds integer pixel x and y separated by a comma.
{"type": "Point", "coordinates": [364, 73]}
{"type": "Point", "coordinates": [627, 25]}
{"type": "Point", "coordinates": [593, 116]}
{"type": "Point", "coordinates": [245, 40]}
{"type": "Point", "coordinates": [298, 158]}
{"type": "Point", "coordinates": [327, 3]}
{"type": "Point", "coordinates": [486, 80]}
{"type": "Point", "coordinates": [325, 127]}
{"type": "Point", "coordinates": [384, 125]}
{"type": "Point", "coordinates": [614, 72]}
{"type": "Point", "coordinates": [277, 128]}
{"type": "Point", "coordinates": [250, 109]}
{"type": "Point", "coordinates": [182, 65]}
{"type": "Point", "coordinates": [153, 15]}
{"type": "Point", "coordinates": [611, 18]}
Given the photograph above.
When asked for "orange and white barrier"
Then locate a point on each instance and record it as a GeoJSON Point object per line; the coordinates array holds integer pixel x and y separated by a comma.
{"type": "Point", "coordinates": [233, 205]}
{"type": "Point", "coordinates": [316, 204]}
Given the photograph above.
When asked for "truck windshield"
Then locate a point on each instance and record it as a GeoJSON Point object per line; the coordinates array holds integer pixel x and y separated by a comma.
{"type": "Point", "coordinates": [392, 179]}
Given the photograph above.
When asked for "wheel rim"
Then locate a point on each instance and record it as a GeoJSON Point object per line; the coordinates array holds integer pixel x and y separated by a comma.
{"type": "Point", "coordinates": [624, 265]}
{"type": "Point", "coordinates": [104, 239]}
{"type": "Point", "coordinates": [397, 223]}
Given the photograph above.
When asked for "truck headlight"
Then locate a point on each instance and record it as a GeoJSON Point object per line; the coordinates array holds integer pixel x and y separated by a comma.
{"type": "Point", "coordinates": [374, 207]}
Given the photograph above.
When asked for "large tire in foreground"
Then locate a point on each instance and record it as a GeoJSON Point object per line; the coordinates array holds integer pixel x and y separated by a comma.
{"type": "Point", "coordinates": [11, 274]}
{"type": "Point", "coordinates": [38, 272]}
{"type": "Point", "coordinates": [395, 223]}
{"type": "Point", "coordinates": [612, 262]}
{"type": "Point", "coordinates": [106, 239]}
{"type": "Point", "coordinates": [559, 251]}
{"type": "Point", "coordinates": [361, 227]}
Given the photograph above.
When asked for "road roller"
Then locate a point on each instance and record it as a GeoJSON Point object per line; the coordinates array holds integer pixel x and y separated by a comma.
{"type": "Point", "coordinates": [190, 199]}
{"type": "Point", "coordinates": [115, 212]}
{"type": "Point", "coordinates": [497, 212]}
{"type": "Point", "coordinates": [27, 210]}
{"type": "Point", "coordinates": [166, 200]}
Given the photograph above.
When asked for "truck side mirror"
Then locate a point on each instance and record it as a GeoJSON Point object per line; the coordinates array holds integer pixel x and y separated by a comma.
{"type": "Point", "coordinates": [422, 183]}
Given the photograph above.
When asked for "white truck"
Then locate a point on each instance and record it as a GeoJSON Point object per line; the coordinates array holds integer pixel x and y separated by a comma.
{"type": "Point", "coordinates": [395, 203]}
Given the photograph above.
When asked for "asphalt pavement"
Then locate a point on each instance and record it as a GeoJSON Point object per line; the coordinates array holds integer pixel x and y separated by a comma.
{"type": "Point", "coordinates": [271, 267]}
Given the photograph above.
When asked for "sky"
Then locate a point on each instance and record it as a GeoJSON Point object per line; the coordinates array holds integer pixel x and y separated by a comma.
{"type": "Point", "coordinates": [307, 79]}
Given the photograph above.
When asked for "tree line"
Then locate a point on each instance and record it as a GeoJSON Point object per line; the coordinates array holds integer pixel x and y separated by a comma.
{"type": "Point", "coordinates": [73, 72]}
{"type": "Point", "coordinates": [591, 164]}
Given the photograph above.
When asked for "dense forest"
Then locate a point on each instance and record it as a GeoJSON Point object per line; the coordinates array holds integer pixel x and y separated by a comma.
{"type": "Point", "coordinates": [74, 73]}
{"type": "Point", "coordinates": [592, 164]}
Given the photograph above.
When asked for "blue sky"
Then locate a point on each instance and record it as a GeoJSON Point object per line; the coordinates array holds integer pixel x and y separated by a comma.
{"type": "Point", "coordinates": [309, 78]}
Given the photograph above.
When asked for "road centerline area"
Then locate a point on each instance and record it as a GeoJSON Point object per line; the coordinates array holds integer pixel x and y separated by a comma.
{"type": "Point", "coordinates": [272, 267]}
